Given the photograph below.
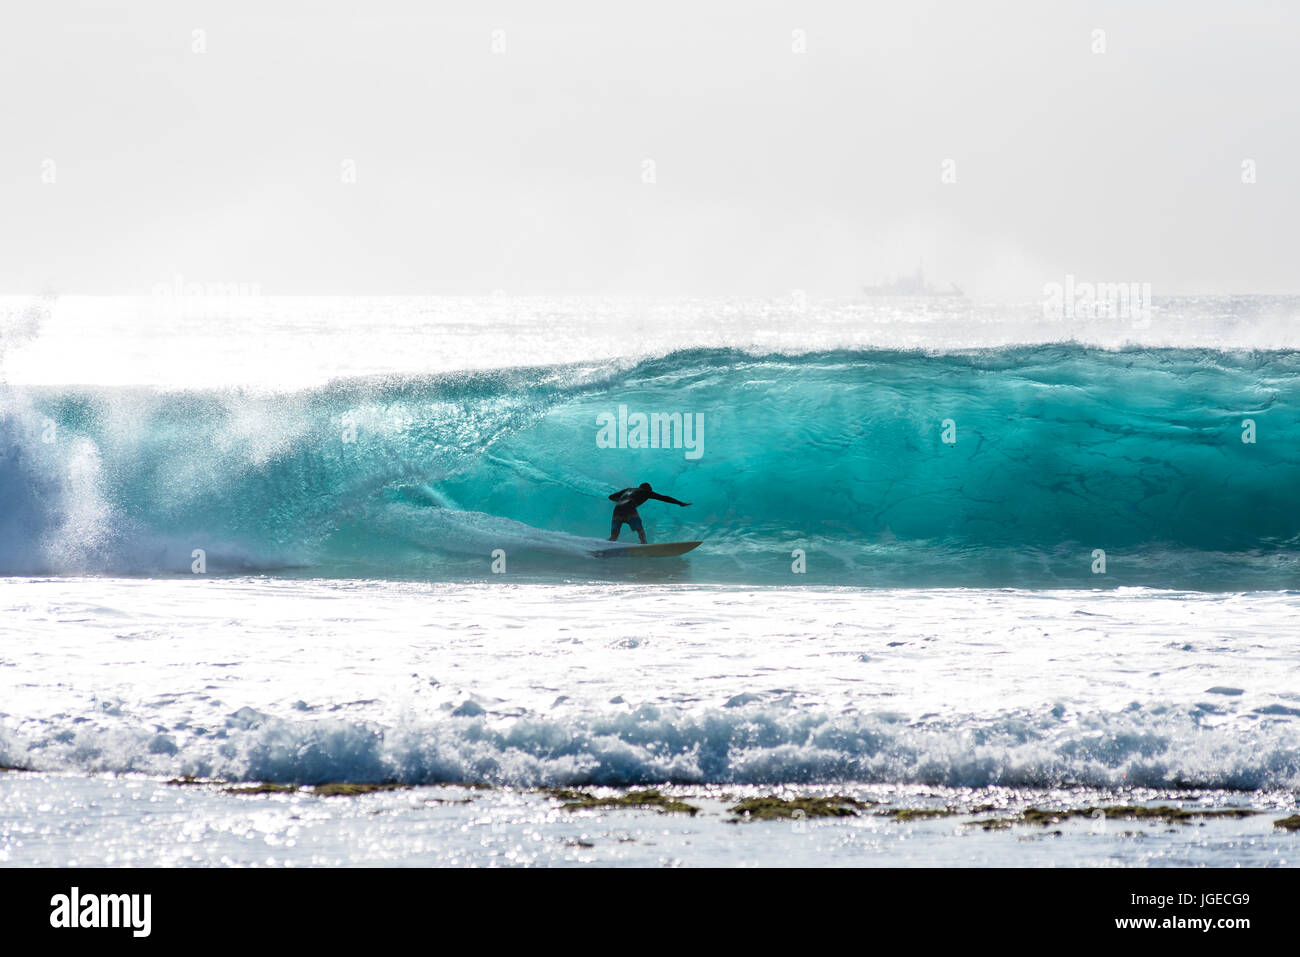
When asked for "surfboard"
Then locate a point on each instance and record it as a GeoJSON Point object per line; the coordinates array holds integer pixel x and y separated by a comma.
{"type": "Point", "coordinates": [657, 550]}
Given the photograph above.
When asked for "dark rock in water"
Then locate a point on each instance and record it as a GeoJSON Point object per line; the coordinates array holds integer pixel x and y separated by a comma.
{"type": "Point", "coordinates": [918, 813]}
{"type": "Point", "coordinates": [190, 779]}
{"type": "Point", "coordinates": [1291, 823]}
{"type": "Point", "coordinates": [345, 789]}
{"type": "Point", "coordinates": [582, 801]}
{"type": "Point", "coordinates": [264, 787]}
{"type": "Point", "coordinates": [1163, 813]}
{"type": "Point", "coordinates": [566, 794]}
{"type": "Point", "coordinates": [775, 808]}
{"type": "Point", "coordinates": [328, 789]}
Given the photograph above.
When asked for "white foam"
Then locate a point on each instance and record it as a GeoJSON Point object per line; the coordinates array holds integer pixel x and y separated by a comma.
{"type": "Point", "coordinates": [305, 681]}
{"type": "Point", "coordinates": [305, 341]}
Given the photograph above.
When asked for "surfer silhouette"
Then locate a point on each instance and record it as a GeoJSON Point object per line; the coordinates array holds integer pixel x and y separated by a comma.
{"type": "Point", "coordinates": [625, 503]}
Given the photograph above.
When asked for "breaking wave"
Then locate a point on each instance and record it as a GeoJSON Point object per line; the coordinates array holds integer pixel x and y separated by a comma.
{"type": "Point", "coordinates": [991, 467]}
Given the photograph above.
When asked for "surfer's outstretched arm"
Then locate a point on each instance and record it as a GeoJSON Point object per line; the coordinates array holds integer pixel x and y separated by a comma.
{"type": "Point", "coordinates": [667, 498]}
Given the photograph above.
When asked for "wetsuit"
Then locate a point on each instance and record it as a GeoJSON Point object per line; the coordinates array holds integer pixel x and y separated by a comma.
{"type": "Point", "coordinates": [625, 504]}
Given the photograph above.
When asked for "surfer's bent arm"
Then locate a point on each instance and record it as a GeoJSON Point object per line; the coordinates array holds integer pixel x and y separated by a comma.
{"type": "Point", "coordinates": [667, 498]}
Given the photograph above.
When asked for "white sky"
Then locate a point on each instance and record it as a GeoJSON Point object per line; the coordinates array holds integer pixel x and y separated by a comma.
{"type": "Point", "coordinates": [522, 171]}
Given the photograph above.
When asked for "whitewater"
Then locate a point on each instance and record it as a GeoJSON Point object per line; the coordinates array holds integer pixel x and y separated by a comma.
{"type": "Point", "coordinates": [960, 561]}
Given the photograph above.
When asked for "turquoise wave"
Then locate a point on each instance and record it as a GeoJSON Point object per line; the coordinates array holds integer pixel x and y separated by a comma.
{"type": "Point", "coordinates": [1017, 467]}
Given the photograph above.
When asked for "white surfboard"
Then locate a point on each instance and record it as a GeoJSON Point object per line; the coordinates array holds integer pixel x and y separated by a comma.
{"type": "Point", "coordinates": [657, 550]}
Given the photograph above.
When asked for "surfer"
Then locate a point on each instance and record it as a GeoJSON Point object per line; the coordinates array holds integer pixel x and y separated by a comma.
{"type": "Point", "coordinates": [625, 502]}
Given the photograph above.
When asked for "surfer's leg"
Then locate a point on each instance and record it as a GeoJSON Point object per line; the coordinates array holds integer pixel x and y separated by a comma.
{"type": "Point", "coordinates": [635, 522]}
{"type": "Point", "coordinates": [615, 526]}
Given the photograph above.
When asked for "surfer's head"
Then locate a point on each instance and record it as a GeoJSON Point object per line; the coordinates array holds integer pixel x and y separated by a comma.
{"type": "Point", "coordinates": [645, 487]}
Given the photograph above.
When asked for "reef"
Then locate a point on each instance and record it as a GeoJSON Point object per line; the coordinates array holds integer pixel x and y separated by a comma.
{"type": "Point", "coordinates": [582, 801]}
{"type": "Point", "coordinates": [1164, 813]}
{"type": "Point", "coordinates": [775, 808]}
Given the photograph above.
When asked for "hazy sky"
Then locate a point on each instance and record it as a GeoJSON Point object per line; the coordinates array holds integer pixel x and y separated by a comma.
{"type": "Point", "coordinates": [524, 169]}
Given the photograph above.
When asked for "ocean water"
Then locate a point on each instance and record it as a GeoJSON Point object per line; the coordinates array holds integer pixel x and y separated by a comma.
{"type": "Point", "coordinates": [958, 559]}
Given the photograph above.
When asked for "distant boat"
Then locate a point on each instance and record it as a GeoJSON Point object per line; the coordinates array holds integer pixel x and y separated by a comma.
{"type": "Point", "coordinates": [911, 286]}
